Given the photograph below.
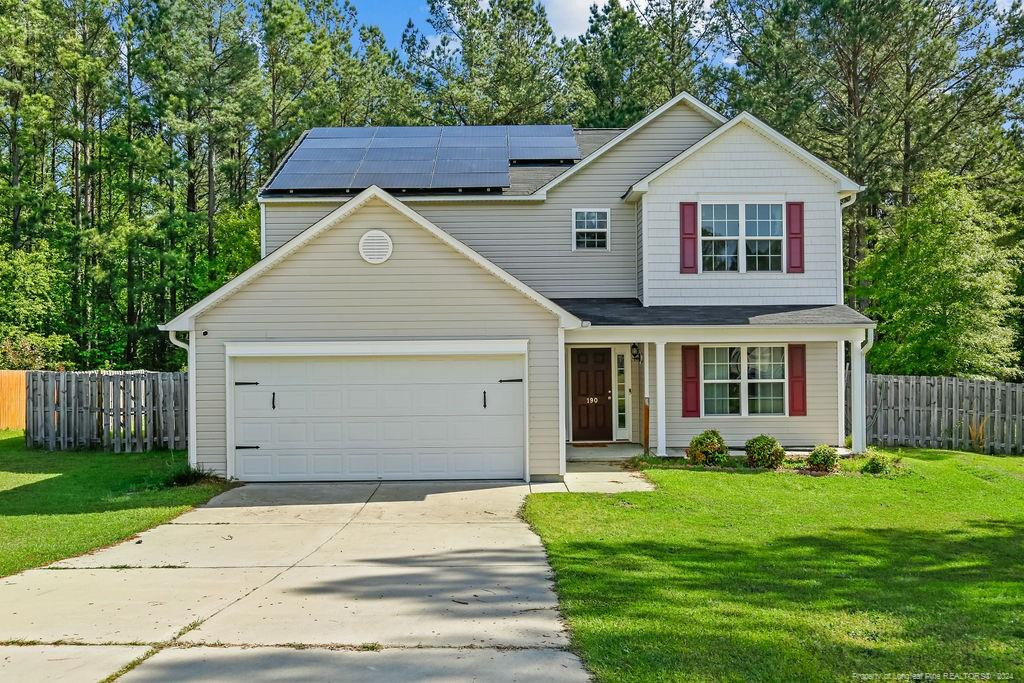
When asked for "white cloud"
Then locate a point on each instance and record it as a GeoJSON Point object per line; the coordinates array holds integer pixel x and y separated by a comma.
{"type": "Point", "coordinates": [568, 17]}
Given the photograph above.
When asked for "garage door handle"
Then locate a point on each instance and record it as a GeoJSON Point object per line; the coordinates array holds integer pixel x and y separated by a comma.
{"type": "Point", "coordinates": [503, 381]}
{"type": "Point", "coordinates": [246, 448]}
{"type": "Point", "coordinates": [273, 400]}
{"type": "Point", "coordinates": [485, 398]}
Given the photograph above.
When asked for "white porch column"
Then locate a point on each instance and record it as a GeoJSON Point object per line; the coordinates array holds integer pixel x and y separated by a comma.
{"type": "Point", "coordinates": [659, 388]}
{"type": "Point", "coordinates": [858, 427]}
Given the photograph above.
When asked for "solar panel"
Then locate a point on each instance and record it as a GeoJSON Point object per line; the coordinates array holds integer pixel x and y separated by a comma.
{"type": "Point", "coordinates": [471, 166]}
{"type": "Point", "coordinates": [306, 153]}
{"type": "Point", "coordinates": [327, 143]}
{"type": "Point", "coordinates": [392, 180]}
{"type": "Point", "coordinates": [311, 181]}
{"type": "Point", "coordinates": [401, 154]}
{"type": "Point", "coordinates": [401, 143]}
{"type": "Point", "coordinates": [470, 131]}
{"type": "Point", "coordinates": [540, 132]}
{"type": "Point", "coordinates": [323, 166]}
{"type": "Point", "coordinates": [447, 152]}
{"type": "Point", "coordinates": [424, 167]}
{"type": "Point", "coordinates": [417, 158]}
{"type": "Point", "coordinates": [534, 152]}
{"type": "Point", "coordinates": [341, 133]}
{"type": "Point", "coordinates": [455, 180]}
{"type": "Point", "coordinates": [408, 131]}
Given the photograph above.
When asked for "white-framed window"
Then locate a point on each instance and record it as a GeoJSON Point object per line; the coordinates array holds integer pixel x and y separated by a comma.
{"type": "Point", "coordinates": [591, 229]}
{"type": "Point", "coordinates": [743, 380]}
{"type": "Point", "coordinates": [741, 237]}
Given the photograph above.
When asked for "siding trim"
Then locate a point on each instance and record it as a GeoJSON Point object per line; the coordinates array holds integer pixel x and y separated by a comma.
{"type": "Point", "coordinates": [184, 320]}
{"type": "Point", "coordinates": [415, 347]}
{"type": "Point", "coordinates": [263, 230]}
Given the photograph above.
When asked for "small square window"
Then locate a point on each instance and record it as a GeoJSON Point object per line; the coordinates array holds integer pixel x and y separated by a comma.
{"type": "Point", "coordinates": [590, 228]}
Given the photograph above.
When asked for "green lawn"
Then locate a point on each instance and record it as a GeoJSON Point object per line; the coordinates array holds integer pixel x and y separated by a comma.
{"type": "Point", "coordinates": [781, 576]}
{"type": "Point", "coordinates": [56, 505]}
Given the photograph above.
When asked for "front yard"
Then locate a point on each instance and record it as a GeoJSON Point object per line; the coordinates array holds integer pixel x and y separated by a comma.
{"type": "Point", "coordinates": [55, 505]}
{"type": "Point", "coordinates": [742, 575]}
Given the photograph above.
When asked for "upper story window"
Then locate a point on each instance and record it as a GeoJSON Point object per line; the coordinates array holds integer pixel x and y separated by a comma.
{"type": "Point", "coordinates": [590, 229]}
{"type": "Point", "coordinates": [722, 241]}
{"type": "Point", "coordinates": [744, 380]}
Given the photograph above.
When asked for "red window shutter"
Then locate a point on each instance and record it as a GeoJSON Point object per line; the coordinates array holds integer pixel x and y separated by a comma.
{"type": "Point", "coordinates": [797, 379]}
{"type": "Point", "coordinates": [687, 237]}
{"type": "Point", "coordinates": [691, 381]}
{"type": "Point", "coordinates": [794, 237]}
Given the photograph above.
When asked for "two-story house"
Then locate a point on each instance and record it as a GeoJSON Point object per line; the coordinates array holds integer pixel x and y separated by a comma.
{"type": "Point", "coordinates": [463, 302]}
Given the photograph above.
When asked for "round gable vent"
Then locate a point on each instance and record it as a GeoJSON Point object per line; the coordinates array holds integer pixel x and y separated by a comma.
{"type": "Point", "coordinates": [375, 246]}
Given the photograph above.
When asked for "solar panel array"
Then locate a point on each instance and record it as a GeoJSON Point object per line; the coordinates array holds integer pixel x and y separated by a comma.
{"type": "Point", "coordinates": [419, 158]}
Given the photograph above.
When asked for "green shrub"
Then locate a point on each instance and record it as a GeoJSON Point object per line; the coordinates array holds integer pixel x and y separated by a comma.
{"type": "Point", "coordinates": [765, 451]}
{"type": "Point", "coordinates": [823, 458]}
{"type": "Point", "coordinates": [186, 475]}
{"type": "Point", "coordinates": [879, 463]}
{"type": "Point", "coordinates": [708, 448]}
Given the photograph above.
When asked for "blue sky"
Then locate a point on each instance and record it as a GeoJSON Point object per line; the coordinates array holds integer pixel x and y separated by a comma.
{"type": "Point", "coordinates": [567, 17]}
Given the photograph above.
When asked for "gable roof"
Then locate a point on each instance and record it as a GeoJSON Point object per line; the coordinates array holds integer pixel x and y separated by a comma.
{"type": "Point", "coordinates": [183, 322]}
{"type": "Point", "coordinates": [693, 102]}
{"type": "Point", "coordinates": [846, 185]}
{"type": "Point", "coordinates": [555, 174]}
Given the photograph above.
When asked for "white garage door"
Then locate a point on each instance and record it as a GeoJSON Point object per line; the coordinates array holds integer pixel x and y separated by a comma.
{"type": "Point", "coordinates": [404, 417]}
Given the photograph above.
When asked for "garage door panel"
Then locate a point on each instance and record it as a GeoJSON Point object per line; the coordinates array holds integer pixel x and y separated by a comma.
{"type": "Point", "coordinates": [370, 418]}
{"type": "Point", "coordinates": [421, 463]}
{"type": "Point", "coordinates": [249, 431]}
{"type": "Point", "coordinates": [361, 465]}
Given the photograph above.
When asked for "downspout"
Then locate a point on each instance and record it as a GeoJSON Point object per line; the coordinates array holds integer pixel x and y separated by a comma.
{"type": "Point", "coordinates": [868, 344]}
{"type": "Point", "coordinates": [173, 336]}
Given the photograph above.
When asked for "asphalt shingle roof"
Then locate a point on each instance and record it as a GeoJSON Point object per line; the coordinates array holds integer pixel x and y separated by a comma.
{"type": "Point", "coordinates": [631, 312]}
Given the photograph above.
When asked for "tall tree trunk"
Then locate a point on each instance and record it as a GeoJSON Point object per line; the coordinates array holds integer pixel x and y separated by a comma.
{"type": "Point", "coordinates": [211, 195]}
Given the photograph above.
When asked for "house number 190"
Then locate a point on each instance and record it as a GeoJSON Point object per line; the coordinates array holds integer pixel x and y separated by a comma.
{"type": "Point", "coordinates": [591, 399]}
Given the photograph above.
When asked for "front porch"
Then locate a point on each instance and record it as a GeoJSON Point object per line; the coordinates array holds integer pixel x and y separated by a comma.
{"type": "Point", "coordinates": [617, 379]}
{"type": "Point", "coordinates": [615, 451]}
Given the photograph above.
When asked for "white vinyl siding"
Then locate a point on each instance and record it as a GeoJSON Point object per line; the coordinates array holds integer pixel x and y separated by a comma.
{"type": "Point", "coordinates": [820, 425]}
{"type": "Point", "coordinates": [326, 292]}
{"type": "Point", "coordinates": [529, 239]}
{"type": "Point", "coordinates": [742, 167]}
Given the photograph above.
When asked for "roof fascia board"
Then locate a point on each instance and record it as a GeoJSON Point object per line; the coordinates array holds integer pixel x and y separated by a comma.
{"type": "Point", "coordinates": [184, 321]}
{"type": "Point", "coordinates": [844, 183]}
{"type": "Point", "coordinates": [716, 334]}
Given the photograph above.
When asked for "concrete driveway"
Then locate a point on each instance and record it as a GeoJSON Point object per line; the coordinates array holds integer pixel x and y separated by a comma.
{"type": "Point", "coordinates": [393, 581]}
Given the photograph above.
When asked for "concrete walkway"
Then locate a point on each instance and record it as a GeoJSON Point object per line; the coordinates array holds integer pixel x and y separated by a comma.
{"type": "Point", "coordinates": [394, 581]}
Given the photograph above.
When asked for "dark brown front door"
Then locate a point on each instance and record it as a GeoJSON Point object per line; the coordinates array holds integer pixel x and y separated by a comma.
{"type": "Point", "coordinates": [591, 394]}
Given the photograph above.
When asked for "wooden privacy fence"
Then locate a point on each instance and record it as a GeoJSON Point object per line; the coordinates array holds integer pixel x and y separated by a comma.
{"type": "Point", "coordinates": [12, 399]}
{"type": "Point", "coordinates": [945, 412]}
{"type": "Point", "coordinates": [127, 412]}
